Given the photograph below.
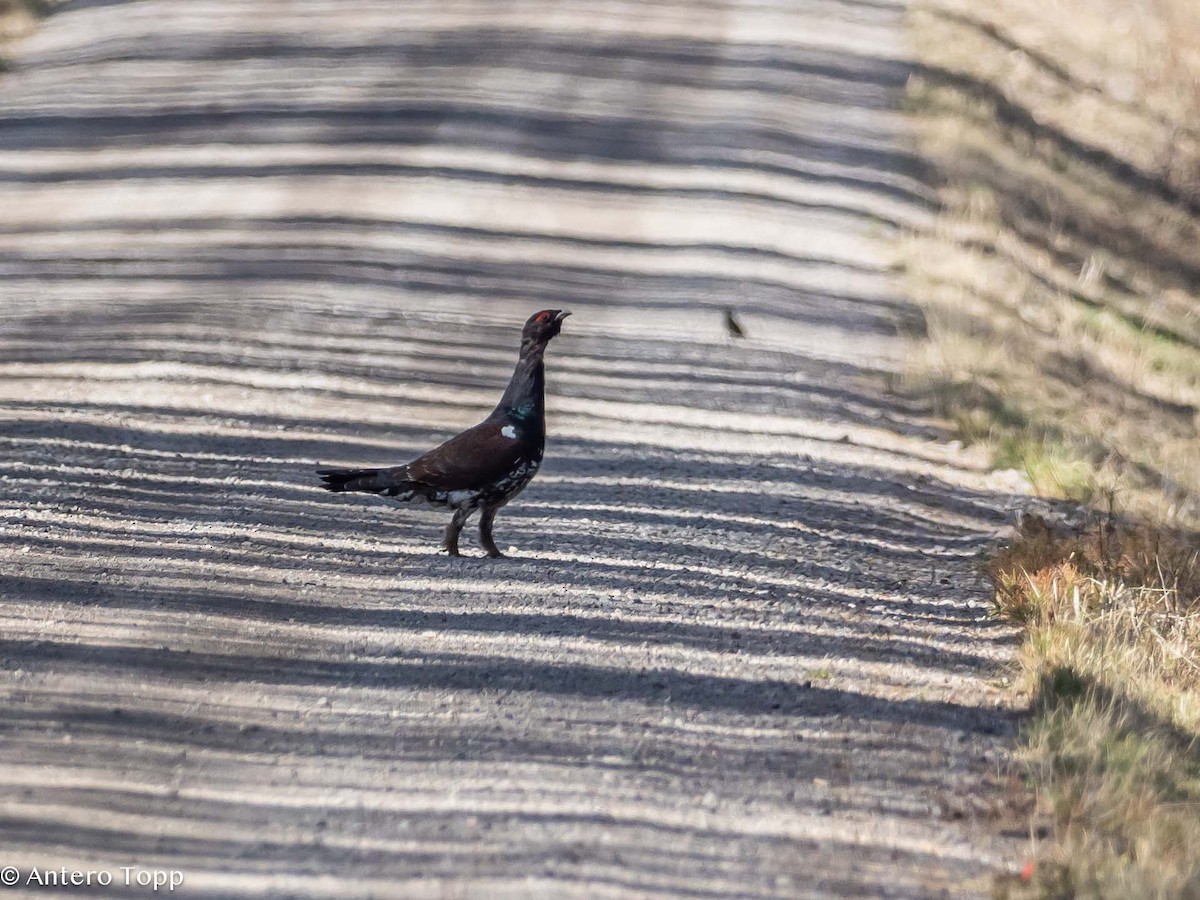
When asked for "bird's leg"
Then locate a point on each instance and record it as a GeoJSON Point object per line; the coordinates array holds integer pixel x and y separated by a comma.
{"type": "Point", "coordinates": [450, 542]}
{"type": "Point", "coordinates": [485, 532]}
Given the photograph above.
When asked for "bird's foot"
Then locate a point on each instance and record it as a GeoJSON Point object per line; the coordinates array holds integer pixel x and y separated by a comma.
{"type": "Point", "coordinates": [452, 551]}
{"type": "Point", "coordinates": [496, 554]}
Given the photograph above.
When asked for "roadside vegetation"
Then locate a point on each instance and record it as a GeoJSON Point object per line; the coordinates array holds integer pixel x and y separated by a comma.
{"type": "Point", "coordinates": [1061, 284]}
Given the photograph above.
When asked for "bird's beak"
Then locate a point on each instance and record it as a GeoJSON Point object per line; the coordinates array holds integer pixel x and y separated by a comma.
{"type": "Point", "coordinates": [562, 315]}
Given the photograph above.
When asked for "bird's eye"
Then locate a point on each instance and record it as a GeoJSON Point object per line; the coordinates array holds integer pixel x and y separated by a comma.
{"type": "Point", "coordinates": [542, 317]}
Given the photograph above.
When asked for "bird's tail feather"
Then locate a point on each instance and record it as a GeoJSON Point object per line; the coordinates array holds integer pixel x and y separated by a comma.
{"type": "Point", "coordinates": [371, 481]}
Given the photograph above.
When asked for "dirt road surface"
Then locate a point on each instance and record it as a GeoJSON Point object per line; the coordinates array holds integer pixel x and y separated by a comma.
{"type": "Point", "coordinates": [741, 648]}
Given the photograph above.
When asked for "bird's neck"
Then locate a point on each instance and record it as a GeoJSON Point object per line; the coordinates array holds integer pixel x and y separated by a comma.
{"type": "Point", "coordinates": [525, 397]}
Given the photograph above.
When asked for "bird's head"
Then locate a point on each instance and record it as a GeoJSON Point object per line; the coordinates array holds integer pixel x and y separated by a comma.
{"type": "Point", "coordinates": [542, 326]}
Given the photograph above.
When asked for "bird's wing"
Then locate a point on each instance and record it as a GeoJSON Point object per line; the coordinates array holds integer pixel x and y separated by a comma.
{"type": "Point", "coordinates": [477, 457]}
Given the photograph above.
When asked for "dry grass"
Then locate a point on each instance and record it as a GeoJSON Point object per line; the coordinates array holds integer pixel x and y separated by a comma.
{"type": "Point", "coordinates": [1113, 613]}
{"type": "Point", "coordinates": [1118, 602]}
{"type": "Point", "coordinates": [1062, 288]}
{"type": "Point", "coordinates": [1062, 282]}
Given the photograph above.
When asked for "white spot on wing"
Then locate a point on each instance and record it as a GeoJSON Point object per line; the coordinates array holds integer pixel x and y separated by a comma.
{"type": "Point", "coordinates": [509, 432]}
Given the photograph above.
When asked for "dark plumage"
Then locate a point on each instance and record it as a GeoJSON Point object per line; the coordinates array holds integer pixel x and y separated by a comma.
{"type": "Point", "coordinates": [732, 325]}
{"type": "Point", "coordinates": [485, 466]}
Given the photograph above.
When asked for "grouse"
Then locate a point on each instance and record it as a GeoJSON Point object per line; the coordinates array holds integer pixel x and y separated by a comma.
{"type": "Point", "coordinates": [484, 467]}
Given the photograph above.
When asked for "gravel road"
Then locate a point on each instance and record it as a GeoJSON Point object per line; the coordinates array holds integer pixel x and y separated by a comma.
{"type": "Point", "coordinates": [741, 648]}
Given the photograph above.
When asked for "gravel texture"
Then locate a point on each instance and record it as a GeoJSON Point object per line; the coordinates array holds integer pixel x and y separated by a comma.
{"type": "Point", "coordinates": [742, 646]}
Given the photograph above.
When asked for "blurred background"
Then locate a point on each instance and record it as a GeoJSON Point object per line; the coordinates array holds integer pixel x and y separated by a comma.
{"type": "Point", "coordinates": [466, 159]}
